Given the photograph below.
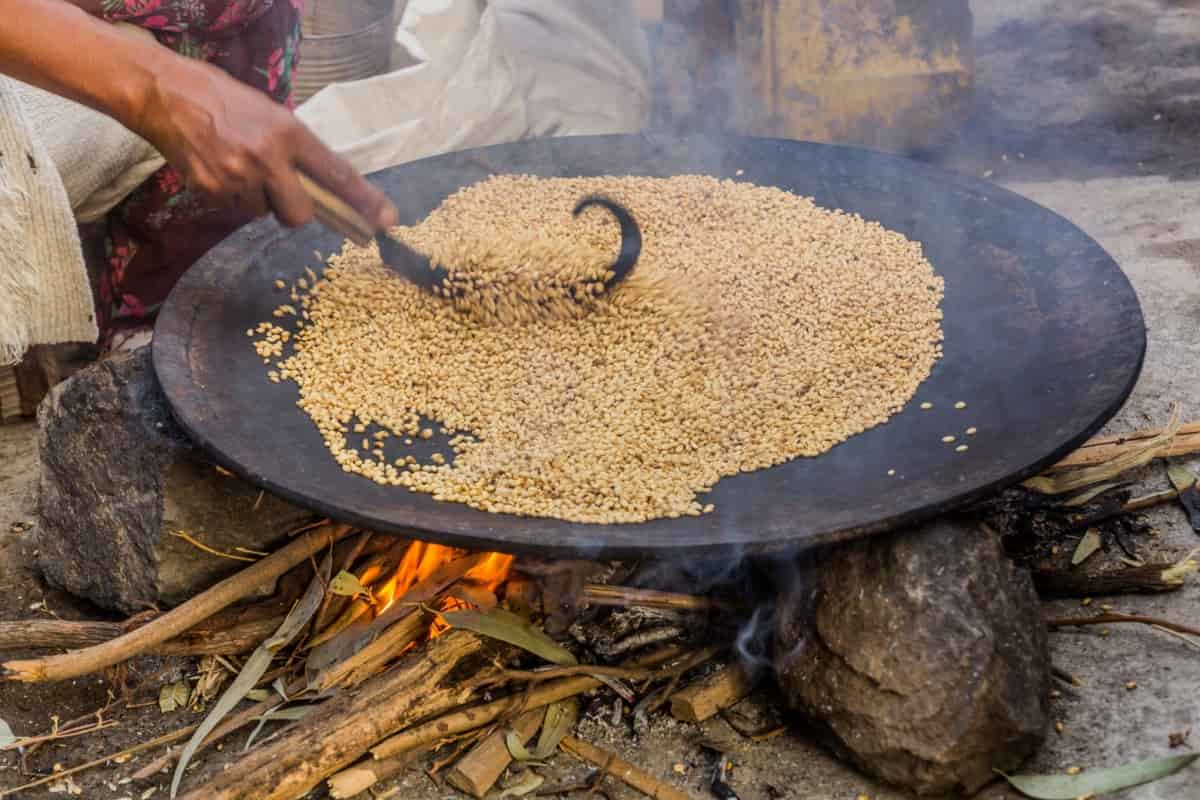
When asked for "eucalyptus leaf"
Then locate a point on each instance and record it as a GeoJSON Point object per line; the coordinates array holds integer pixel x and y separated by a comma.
{"type": "Point", "coordinates": [292, 713]}
{"type": "Point", "coordinates": [560, 719]}
{"type": "Point", "coordinates": [1083, 498]}
{"type": "Point", "coordinates": [7, 737]}
{"type": "Point", "coordinates": [527, 785]}
{"type": "Point", "coordinates": [516, 748]}
{"type": "Point", "coordinates": [1087, 546]}
{"type": "Point", "coordinates": [346, 584]}
{"type": "Point", "coordinates": [508, 627]}
{"type": "Point", "coordinates": [257, 665]}
{"type": "Point", "coordinates": [1099, 781]}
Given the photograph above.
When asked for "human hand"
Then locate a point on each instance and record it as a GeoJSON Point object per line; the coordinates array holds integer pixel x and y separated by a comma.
{"type": "Point", "coordinates": [234, 143]}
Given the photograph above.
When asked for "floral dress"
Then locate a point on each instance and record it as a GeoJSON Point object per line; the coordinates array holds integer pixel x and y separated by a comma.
{"type": "Point", "coordinates": [160, 230]}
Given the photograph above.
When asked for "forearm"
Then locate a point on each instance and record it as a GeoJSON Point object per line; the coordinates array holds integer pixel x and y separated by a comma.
{"type": "Point", "coordinates": [56, 46]}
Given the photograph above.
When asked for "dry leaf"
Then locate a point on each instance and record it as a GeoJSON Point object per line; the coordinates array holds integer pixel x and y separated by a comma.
{"type": "Point", "coordinates": [1181, 477]}
{"type": "Point", "coordinates": [172, 696]}
{"type": "Point", "coordinates": [347, 584]}
{"type": "Point", "coordinates": [1088, 545]}
{"type": "Point", "coordinates": [65, 786]}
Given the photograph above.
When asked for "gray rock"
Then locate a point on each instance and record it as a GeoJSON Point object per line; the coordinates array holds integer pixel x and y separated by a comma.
{"type": "Point", "coordinates": [920, 657]}
{"type": "Point", "coordinates": [118, 476]}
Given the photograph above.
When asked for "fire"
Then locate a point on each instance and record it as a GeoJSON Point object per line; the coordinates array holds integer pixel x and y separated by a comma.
{"type": "Point", "coordinates": [492, 571]}
{"type": "Point", "coordinates": [422, 559]}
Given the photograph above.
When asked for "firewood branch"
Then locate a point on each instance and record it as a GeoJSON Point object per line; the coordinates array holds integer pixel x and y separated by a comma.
{"type": "Point", "coordinates": [175, 622]}
{"type": "Point", "coordinates": [341, 730]}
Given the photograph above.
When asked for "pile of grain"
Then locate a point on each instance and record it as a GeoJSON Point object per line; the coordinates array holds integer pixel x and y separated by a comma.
{"type": "Point", "coordinates": [819, 325]}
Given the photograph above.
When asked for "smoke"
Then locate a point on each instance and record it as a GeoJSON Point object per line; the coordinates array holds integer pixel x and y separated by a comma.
{"type": "Point", "coordinates": [767, 589]}
{"type": "Point", "coordinates": [1059, 89]}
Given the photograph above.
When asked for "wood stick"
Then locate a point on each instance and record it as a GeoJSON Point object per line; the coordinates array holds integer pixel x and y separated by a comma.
{"type": "Point", "coordinates": [334, 735]}
{"type": "Point", "coordinates": [53, 634]}
{"type": "Point", "coordinates": [1075, 583]}
{"type": "Point", "coordinates": [627, 773]}
{"type": "Point", "coordinates": [362, 776]}
{"type": "Point", "coordinates": [477, 772]}
{"type": "Point", "coordinates": [1136, 436]}
{"type": "Point", "coordinates": [706, 697]}
{"type": "Point", "coordinates": [174, 622]}
{"type": "Point", "coordinates": [468, 719]}
{"type": "Point", "coordinates": [372, 658]}
{"type": "Point", "coordinates": [1101, 449]}
{"type": "Point", "coordinates": [1113, 617]}
{"type": "Point", "coordinates": [1135, 504]}
{"type": "Point", "coordinates": [598, 594]}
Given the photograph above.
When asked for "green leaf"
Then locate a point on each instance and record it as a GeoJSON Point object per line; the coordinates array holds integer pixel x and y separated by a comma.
{"type": "Point", "coordinates": [508, 627]}
{"type": "Point", "coordinates": [172, 696]}
{"type": "Point", "coordinates": [256, 666]}
{"type": "Point", "coordinates": [1098, 781]}
{"type": "Point", "coordinates": [258, 695]}
{"type": "Point", "coordinates": [1181, 477]}
{"type": "Point", "coordinates": [6, 735]}
{"type": "Point", "coordinates": [1088, 545]}
{"type": "Point", "coordinates": [346, 584]}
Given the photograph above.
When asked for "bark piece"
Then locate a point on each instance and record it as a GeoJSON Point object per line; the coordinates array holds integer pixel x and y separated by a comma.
{"type": "Point", "coordinates": [477, 771]}
{"type": "Point", "coordinates": [712, 693]}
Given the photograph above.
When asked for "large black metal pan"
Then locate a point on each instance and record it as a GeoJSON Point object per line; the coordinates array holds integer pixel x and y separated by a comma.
{"type": "Point", "coordinates": [1044, 341]}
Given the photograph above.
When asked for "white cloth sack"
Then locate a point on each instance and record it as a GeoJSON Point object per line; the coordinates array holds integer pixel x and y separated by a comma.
{"type": "Point", "coordinates": [60, 164]}
{"type": "Point", "coordinates": [45, 297]}
{"type": "Point", "coordinates": [490, 73]}
{"type": "Point", "coordinates": [99, 160]}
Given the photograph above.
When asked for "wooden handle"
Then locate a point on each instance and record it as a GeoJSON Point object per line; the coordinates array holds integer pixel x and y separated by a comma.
{"type": "Point", "coordinates": [336, 213]}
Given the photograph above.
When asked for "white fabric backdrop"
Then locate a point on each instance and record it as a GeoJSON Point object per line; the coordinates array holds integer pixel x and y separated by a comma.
{"type": "Point", "coordinates": [491, 72]}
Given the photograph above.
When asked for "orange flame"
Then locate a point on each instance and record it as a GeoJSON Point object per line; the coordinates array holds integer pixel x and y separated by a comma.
{"type": "Point", "coordinates": [421, 560]}
{"type": "Point", "coordinates": [492, 571]}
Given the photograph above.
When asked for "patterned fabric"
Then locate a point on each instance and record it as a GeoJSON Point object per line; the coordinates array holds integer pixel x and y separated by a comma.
{"type": "Point", "coordinates": [160, 230]}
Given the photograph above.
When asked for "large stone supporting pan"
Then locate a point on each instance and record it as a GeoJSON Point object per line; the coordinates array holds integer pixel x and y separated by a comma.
{"type": "Point", "coordinates": [921, 657]}
{"type": "Point", "coordinates": [119, 480]}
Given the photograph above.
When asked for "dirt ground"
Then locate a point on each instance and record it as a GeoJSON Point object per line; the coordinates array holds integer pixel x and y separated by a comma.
{"type": "Point", "coordinates": [1090, 108]}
